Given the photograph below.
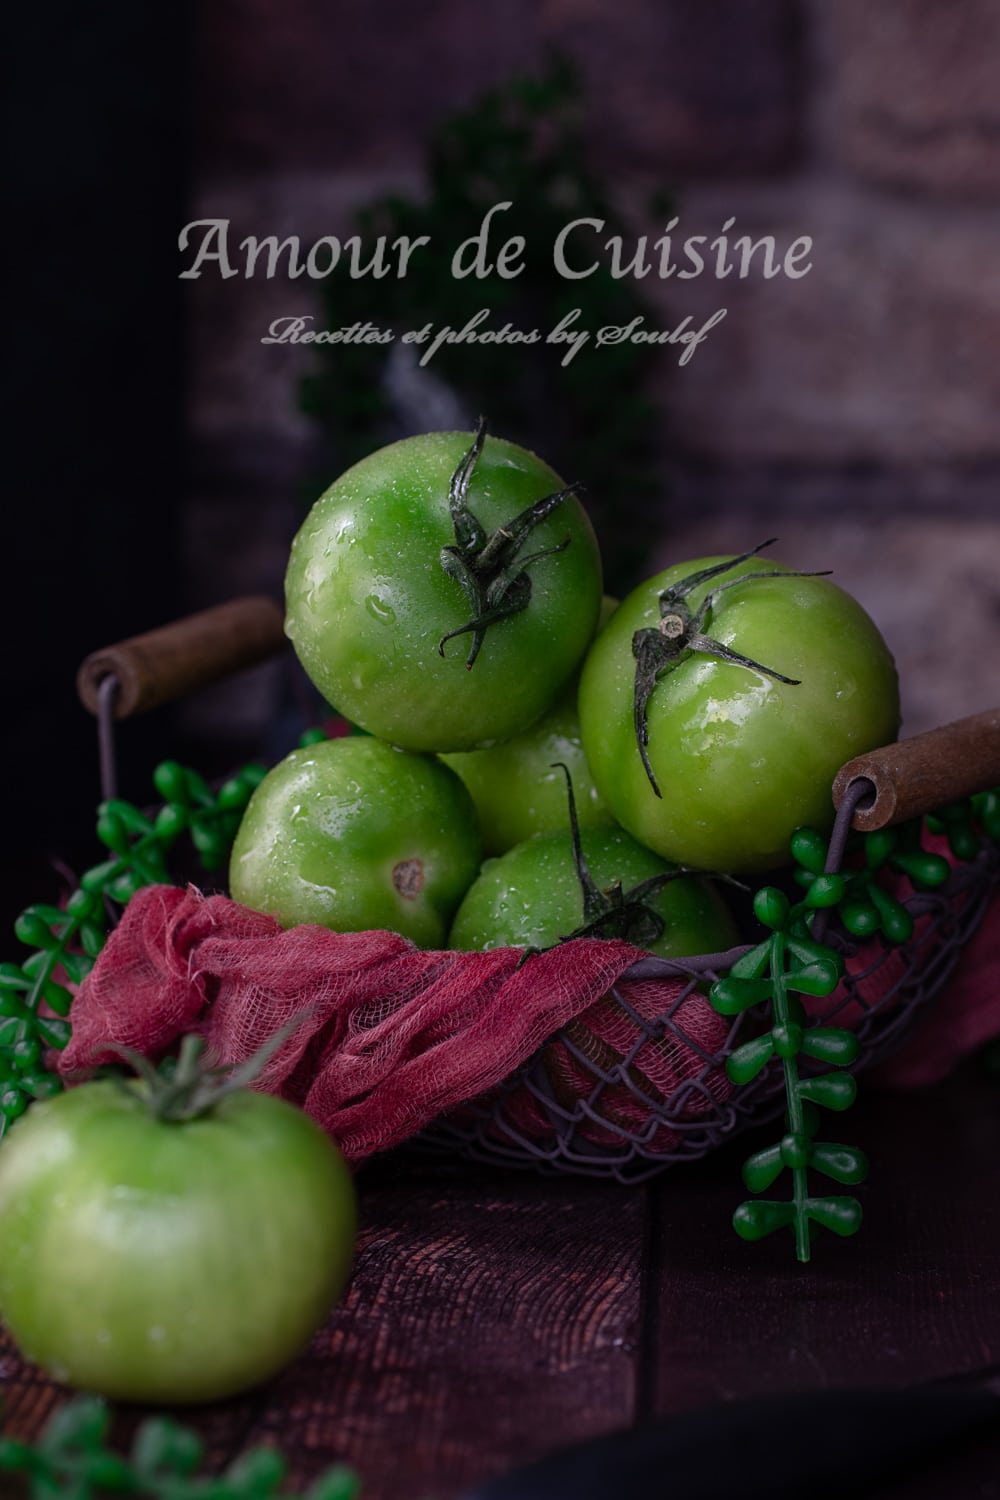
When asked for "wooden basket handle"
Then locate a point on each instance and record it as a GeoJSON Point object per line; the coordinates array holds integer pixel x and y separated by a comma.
{"type": "Point", "coordinates": [184, 656]}
{"type": "Point", "coordinates": [910, 778]}
{"type": "Point", "coordinates": [915, 776]}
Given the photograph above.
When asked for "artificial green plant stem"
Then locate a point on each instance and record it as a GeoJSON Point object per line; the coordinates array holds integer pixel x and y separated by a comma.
{"type": "Point", "coordinates": [796, 1115]}
{"type": "Point", "coordinates": [72, 1461]}
{"type": "Point", "coordinates": [71, 939]}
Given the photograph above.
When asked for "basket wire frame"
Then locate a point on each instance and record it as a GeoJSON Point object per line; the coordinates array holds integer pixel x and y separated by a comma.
{"type": "Point", "coordinates": [581, 1135]}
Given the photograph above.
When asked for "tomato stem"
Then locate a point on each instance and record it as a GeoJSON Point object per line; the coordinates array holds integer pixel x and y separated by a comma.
{"type": "Point", "coordinates": [659, 649]}
{"type": "Point", "coordinates": [183, 1088]}
{"type": "Point", "coordinates": [610, 912]}
{"type": "Point", "coordinates": [488, 568]}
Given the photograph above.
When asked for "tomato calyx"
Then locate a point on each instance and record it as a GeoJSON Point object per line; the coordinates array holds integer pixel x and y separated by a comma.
{"type": "Point", "coordinates": [681, 632]}
{"type": "Point", "coordinates": [610, 912]}
{"type": "Point", "coordinates": [492, 576]}
{"type": "Point", "coordinates": [183, 1088]}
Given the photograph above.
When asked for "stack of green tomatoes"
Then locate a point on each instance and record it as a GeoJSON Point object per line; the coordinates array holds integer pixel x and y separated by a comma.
{"type": "Point", "coordinates": [445, 595]}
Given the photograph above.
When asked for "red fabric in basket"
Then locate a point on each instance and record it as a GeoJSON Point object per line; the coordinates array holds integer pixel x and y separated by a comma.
{"type": "Point", "coordinates": [391, 1037]}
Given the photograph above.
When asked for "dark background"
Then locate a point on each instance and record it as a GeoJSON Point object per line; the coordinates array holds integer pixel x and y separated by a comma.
{"type": "Point", "coordinates": [159, 451]}
{"type": "Point", "coordinates": [99, 139]}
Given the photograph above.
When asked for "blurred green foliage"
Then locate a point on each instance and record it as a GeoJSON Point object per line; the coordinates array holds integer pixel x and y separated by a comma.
{"type": "Point", "coordinates": [591, 419]}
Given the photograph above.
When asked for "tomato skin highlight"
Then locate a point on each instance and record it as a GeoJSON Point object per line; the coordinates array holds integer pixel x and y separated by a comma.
{"type": "Point", "coordinates": [741, 760]}
{"type": "Point", "coordinates": [169, 1261]}
{"type": "Point", "coordinates": [354, 835]}
{"type": "Point", "coordinates": [367, 600]}
{"type": "Point", "coordinates": [530, 897]}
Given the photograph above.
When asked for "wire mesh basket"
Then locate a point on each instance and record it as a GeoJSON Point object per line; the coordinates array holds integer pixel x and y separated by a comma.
{"type": "Point", "coordinates": [641, 1081]}
{"type": "Point", "coordinates": [583, 1128]}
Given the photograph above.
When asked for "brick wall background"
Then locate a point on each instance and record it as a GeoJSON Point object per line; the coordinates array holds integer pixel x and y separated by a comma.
{"type": "Point", "coordinates": [853, 412]}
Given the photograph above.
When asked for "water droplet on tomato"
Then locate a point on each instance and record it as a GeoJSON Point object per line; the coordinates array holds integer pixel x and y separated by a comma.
{"type": "Point", "coordinates": [379, 610]}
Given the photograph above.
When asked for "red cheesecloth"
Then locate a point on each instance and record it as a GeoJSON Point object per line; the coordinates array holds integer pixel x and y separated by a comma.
{"type": "Point", "coordinates": [391, 1037]}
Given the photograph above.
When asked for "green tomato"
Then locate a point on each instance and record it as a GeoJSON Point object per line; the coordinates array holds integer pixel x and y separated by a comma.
{"type": "Point", "coordinates": [352, 834]}
{"type": "Point", "coordinates": [370, 606]}
{"type": "Point", "coordinates": [518, 787]}
{"type": "Point", "coordinates": [530, 897]}
{"type": "Point", "coordinates": [741, 759]}
{"type": "Point", "coordinates": [169, 1262]}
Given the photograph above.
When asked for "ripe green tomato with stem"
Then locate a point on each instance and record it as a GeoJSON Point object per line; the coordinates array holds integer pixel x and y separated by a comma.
{"type": "Point", "coordinates": [353, 834]}
{"type": "Point", "coordinates": [169, 1258]}
{"type": "Point", "coordinates": [443, 591]}
{"type": "Point", "coordinates": [531, 897]}
{"type": "Point", "coordinates": [740, 758]}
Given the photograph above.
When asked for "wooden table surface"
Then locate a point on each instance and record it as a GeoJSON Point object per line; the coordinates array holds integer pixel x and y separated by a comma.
{"type": "Point", "coordinates": [493, 1316]}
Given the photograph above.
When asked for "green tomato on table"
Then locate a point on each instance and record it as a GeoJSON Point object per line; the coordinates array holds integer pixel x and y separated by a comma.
{"type": "Point", "coordinates": [169, 1260]}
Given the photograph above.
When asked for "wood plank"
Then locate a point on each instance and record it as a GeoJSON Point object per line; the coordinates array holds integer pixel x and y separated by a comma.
{"type": "Point", "coordinates": [29, 1399]}
{"type": "Point", "coordinates": [495, 1316]}
{"type": "Point", "coordinates": [491, 1316]}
